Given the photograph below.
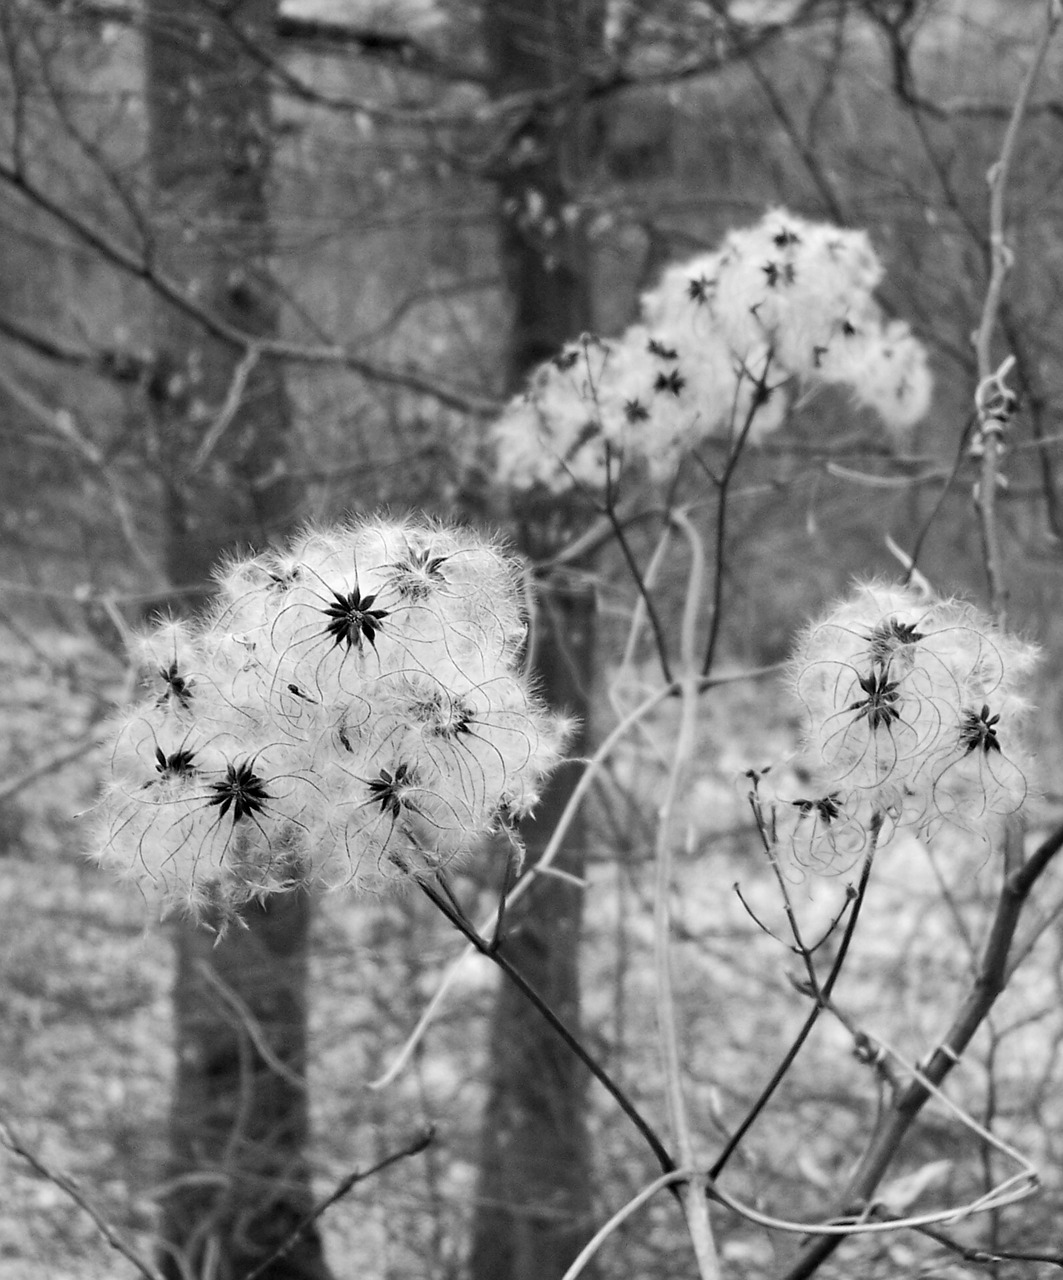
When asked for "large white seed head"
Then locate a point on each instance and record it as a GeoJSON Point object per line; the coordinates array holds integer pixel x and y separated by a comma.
{"type": "Point", "coordinates": [352, 711]}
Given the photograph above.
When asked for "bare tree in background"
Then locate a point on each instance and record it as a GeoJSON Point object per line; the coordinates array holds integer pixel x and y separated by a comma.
{"type": "Point", "coordinates": [536, 1194]}
{"type": "Point", "coordinates": [239, 1118]}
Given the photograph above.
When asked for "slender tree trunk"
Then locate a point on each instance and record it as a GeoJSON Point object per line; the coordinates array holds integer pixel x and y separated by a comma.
{"type": "Point", "coordinates": [541, 45]}
{"type": "Point", "coordinates": [239, 1127]}
{"type": "Point", "coordinates": [535, 1193]}
{"type": "Point", "coordinates": [220, 417]}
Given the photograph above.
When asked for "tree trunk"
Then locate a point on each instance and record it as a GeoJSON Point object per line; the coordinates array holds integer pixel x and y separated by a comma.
{"type": "Point", "coordinates": [535, 1194]}
{"type": "Point", "coordinates": [536, 45]}
{"type": "Point", "coordinates": [239, 1125]}
{"type": "Point", "coordinates": [239, 1180]}
{"type": "Point", "coordinates": [220, 418]}
{"type": "Point", "coordinates": [535, 1197]}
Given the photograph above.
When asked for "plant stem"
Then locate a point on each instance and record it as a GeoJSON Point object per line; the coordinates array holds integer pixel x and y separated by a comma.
{"type": "Point", "coordinates": [810, 1021]}
{"type": "Point", "coordinates": [991, 979]}
{"type": "Point", "coordinates": [695, 1204]}
{"type": "Point", "coordinates": [497, 956]}
{"type": "Point", "coordinates": [995, 403]}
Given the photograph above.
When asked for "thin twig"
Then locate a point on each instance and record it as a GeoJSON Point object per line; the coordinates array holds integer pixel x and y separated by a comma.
{"type": "Point", "coordinates": [993, 975]}
{"type": "Point", "coordinates": [634, 633]}
{"type": "Point", "coordinates": [660, 640]}
{"type": "Point", "coordinates": [592, 768]}
{"type": "Point", "coordinates": [935, 510]}
{"type": "Point", "coordinates": [844, 1226]}
{"type": "Point", "coordinates": [351, 1180]}
{"type": "Point", "coordinates": [61, 426]}
{"type": "Point", "coordinates": [589, 541]}
{"type": "Point", "coordinates": [70, 1188]}
{"type": "Point", "coordinates": [723, 487]}
{"type": "Point", "coordinates": [975, 1254]}
{"type": "Point", "coordinates": [228, 411]}
{"type": "Point", "coordinates": [765, 1095]}
{"type": "Point", "coordinates": [80, 749]}
{"type": "Point", "coordinates": [621, 1216]}
{"type": "Point", "coordinates": [498, 957]}
{"type": "Point", "coordinates": [252, 1027]}
{"type": "Point", "coordinates": [1000, 254]}
{"type": "Point", "coordinates": [994, 401]}
{"type": "Point", "coordinates": [212, 322]}
{"type": "Point", "coordinates": [568, 816]}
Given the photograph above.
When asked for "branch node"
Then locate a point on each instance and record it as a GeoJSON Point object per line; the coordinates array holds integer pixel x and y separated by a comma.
{"type": "Point", "coordinates": [949, 1052]}
{"type": "Point", "coordinates": [994, 400]}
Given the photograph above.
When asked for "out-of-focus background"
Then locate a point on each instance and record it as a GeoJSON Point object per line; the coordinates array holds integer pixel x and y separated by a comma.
{"type": "Point", "coordinates": [263, 263]}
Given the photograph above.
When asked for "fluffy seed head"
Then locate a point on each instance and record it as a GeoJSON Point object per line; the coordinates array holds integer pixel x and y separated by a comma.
{"type": "Point", "coordinates": [350, 712]}
{"type": "Point", "coordinates": [721, 343]}
{"type": "Point", "coordinates": [914, 706]}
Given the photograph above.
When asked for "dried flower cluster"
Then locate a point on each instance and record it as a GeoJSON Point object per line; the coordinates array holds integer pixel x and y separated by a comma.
{"type": "Point", "coordinates": [351, 712]}
{"type": "Point", "coordinates": [914, 711]}
{"type": "Point", "coordinates": [722, 340]}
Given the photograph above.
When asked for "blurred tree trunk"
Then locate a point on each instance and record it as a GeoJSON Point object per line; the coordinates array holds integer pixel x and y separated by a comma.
{"type": "Point", "coordinates": [221, 418]}
{"type": "Point", "coordinates": [534, 1206]}
{"type": "Point", "coordinates": [541, 45]}
{"type": "Point", "coordinates": [239, 1181]}
{"type": "Point", "coordinates": [535, 1199]}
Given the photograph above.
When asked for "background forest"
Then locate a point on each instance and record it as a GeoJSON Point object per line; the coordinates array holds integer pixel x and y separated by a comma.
{"type": "Point", "coordinates": [266, 263]}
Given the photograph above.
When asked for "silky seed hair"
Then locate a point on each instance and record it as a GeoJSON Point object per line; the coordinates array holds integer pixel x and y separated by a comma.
{"type": "Point", "coordinates": [351, 711]}
{"type": "Point", "coordinates": [914, 706]}
{"type": "Point", "coordinates": [721, 344]}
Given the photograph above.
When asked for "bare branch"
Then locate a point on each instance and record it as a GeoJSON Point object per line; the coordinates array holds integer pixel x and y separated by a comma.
{"type": "Point", "coordinates": [79, 749]}
{"type": "Point", "coordinates": [415, 1147]}
{"type": "Point", "coordinates": [118, 364]}
{"type": "Point", "coordinates": [61, 426]}
{"type": "Point", "coordinates": [992, 977]}
{"type": "Point", "coordinates": [994, 402]}
{"type": "Point", "coordinates": [233, 399]}
{"type": "Point", "coordinates": [10, 1139]}
{"type": "Point", "coordinates": [389, 47]}
{"type": "Point", "coordinates": [141, 268]}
